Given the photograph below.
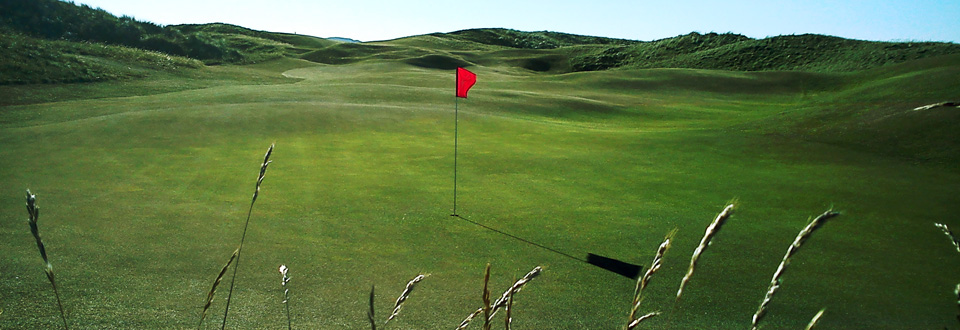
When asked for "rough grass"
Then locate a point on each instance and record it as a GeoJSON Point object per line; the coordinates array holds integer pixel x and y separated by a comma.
{"type": "Point", "coordinates": [27, 60]}
{"type": "Point", "coordinates": [151, 187]}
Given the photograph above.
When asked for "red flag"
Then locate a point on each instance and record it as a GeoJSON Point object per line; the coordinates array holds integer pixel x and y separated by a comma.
{"type": "Point", "coordinates": [465, 80]}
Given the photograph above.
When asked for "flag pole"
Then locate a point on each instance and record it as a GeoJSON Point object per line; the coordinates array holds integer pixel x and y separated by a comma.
{"type": "Point", "coordinates": [456, 139]}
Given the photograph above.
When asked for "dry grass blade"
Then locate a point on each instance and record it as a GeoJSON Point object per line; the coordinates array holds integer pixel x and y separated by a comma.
{"type": "Point", "coordinates": [644, 280]}
{"type": "Point", "coordinates": [704, 242]}
{"type": "Point", "coordinates": [373, 323]}
{"type": "Point", "coordinates": [403, 296]}
{"type": "Point", "coordinates": [946, 230]}
{"type": "Point", "coordinates": [816, 318]}
{"type": "Point", "coordinates": [286, 293]}
{"type": "Point", "coordinates": [214, 288]}
{"type": "Point", "coordinates": [34, 211]}
{"type": "Point", "coordinates": [263, 172]}
{"type": "Point", "coordinates": [775, 282]}
{"type": "Point", "coordinates": [635, 323]}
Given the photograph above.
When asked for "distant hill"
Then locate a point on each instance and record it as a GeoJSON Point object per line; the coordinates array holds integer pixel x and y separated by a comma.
{"type": "Point", "coordinates": [531, 40]}
{"type": "Point", "coordinates": [558, 52]}
{"type": "Point", "coordinates": [50, 25]}
{"type": "Point", "coordinates": [807, 52]}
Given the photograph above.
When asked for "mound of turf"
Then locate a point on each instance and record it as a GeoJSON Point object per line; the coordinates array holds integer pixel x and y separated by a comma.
{"type": "Point", "coordinates": [602, 162]}
{"type": "Point", "coordinates": [345, 53]}
{"type": "Point", "coordinates": [874, 110]}
{"type": "Point", "coordinates": [26, 60]}
{"type": "Point", "coordinates": [563, 53]}
{"type": "Point", "coordinates": [808, 52]}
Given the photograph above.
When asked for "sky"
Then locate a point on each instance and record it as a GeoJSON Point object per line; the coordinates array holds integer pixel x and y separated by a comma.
{"type": "Point", "coordinates": [366, 20]}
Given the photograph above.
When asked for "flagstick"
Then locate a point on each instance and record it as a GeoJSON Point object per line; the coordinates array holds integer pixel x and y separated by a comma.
{"type": "Point", "coordinates": [456, 142]}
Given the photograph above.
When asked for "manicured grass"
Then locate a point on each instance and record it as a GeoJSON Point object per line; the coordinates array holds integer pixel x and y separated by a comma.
{"type": "Point", "coordinates": [144, 200]}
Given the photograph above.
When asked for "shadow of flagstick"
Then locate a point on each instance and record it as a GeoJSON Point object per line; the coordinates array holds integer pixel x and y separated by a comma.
{"type": "Point", "coordinates": [625, 269]}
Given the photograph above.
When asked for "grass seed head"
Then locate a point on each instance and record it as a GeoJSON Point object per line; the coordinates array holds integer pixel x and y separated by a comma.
{"type": "Point", "coordinates": [791, 250]}
{"type": "Point", "coordinates": [712, 230]}
{"type": "Point", "coordinates": [816, 318]}
{"type": "Point", "coordinates": [404, 295]}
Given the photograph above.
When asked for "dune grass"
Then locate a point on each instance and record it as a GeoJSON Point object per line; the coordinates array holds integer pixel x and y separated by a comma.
{"type": "Point", "coordinates": [599, 162]}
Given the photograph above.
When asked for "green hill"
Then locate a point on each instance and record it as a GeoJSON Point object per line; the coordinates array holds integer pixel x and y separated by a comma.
{"type": "Point", "coordinates": [211, 43]}
{"type": "Point", "coordinates": [807, 52]}
{"type": "Point", "coordinates": [695, 51]}
{"type": "Point", "coordinates": [27, 60]}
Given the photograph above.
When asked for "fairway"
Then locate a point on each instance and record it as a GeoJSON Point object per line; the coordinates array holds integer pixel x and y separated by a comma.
{"type": "Point", "coordinates": [143, 196]}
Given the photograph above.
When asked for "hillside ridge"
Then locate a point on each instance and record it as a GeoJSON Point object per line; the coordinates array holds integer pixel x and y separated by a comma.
{"type": "Point", "coordinates": [532, 52]}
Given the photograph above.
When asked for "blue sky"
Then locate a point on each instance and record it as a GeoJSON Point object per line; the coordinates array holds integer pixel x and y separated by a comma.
{"type": "Point", "coordinates": [883, 20]}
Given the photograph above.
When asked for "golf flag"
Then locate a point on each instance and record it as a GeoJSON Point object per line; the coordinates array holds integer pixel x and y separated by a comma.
{"type": "Point", "coordinates": [465, 80]}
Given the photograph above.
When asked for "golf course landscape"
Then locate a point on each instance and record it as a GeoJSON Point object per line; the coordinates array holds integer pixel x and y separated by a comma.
{"type": "Point", "coordinates": [144, 156]}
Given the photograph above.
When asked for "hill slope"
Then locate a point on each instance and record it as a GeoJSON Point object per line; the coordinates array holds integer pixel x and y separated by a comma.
{"type": "Point", "coordinates": [211, 43]}
{"type": "Point", "coordinates": [561, 53]}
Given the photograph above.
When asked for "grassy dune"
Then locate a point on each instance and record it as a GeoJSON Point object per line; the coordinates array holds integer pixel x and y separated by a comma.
{"type": "Point", "coordinates": [144, 192]}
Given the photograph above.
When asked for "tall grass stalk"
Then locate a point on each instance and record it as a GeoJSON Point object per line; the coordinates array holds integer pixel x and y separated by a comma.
{"type": "Point", "coordinates": [815, 319]}
{"type": "Point", "coordinates": [712, 230]}
{"type": "Point", "coordinates": [214, 288]}
{"type": "Point", "coordinates": [644, 280]}
{"type": "Point", "coordinates": [233, 279]}
{"type": "Point", "coordinates": [34, 211]}
{"type": "Point", "coordinates": [403, 296]}
{"type": "Point", "coordinates": [775, 282]}
{"type": "Point", "coordinates": [286, 293]}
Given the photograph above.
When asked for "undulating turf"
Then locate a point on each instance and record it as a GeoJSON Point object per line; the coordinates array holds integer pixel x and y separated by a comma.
{"type": "Point", "coordinates": [144, 196]}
